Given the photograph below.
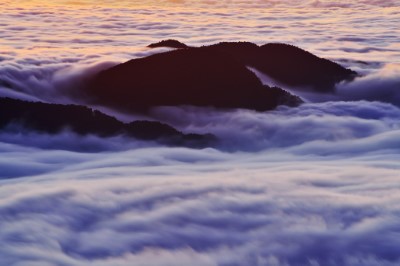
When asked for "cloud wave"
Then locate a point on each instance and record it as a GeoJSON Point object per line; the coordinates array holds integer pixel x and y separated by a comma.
{"type": "Point", "coordinates": [324, 196]}
{"type": "Point", "coordinates": [260, 213]}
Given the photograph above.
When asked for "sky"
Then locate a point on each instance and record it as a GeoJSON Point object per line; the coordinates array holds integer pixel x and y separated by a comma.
{"type": "Point", "coordinates": [314, 185]}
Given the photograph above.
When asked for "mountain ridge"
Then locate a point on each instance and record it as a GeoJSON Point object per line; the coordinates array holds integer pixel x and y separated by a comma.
{"type": "Point", "coordinates": [54, 118]}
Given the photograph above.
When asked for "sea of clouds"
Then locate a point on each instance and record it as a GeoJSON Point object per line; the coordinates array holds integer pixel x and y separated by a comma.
{"type": "Point", "coordinates": [96, 31]}
{"type": "Point", "coordinates": [315, 185]}
{"type": "Point", "coordinates": [48, 50]}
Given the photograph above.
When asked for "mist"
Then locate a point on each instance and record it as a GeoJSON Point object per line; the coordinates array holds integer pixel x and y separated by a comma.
{"type": "Point", "coordinates": [314, 185]}
{"type": "Point", "coordinates": [155, 205]}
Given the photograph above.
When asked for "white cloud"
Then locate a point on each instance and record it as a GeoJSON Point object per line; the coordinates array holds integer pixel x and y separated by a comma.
{"type": "Point", "coordinates": [313, 185]}
{"type": "Point", "coordinates": [316, 199]}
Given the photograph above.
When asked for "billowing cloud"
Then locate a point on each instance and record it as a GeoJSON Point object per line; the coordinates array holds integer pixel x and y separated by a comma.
{"type": "Point", "coordinates": [315, 185]}
{"type": "Point", "coordinates": [320, 190]}
{"type": "Point", "coordinates": [286, 127]}
{"type": "Point", "coordinates": [57, 84]}
{"type": "Point", "coordinates": [383, 85]}
{"type": "Point", "coordinates": [260, 212]}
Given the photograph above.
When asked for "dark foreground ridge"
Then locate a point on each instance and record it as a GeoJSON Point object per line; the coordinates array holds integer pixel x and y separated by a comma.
{"type": "Point", "coordinates": [54, 118]}
{"type": "Point", "coordinates": [192, 76]}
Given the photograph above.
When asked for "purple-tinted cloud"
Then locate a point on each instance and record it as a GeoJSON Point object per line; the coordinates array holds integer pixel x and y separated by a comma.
{"type": "Point", "coordinates": [320, 190]}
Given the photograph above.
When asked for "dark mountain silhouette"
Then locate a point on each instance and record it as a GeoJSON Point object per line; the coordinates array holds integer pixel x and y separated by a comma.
{"type": "Point", "coordinates": [54, 118]}
{"type": "Point", "coordinates": [287, 64]}
{"type": "Point", "coordinates": [192, 76]}
{"type": "Point", "coordinates": [297, 67]}
{"type": "Point", "coordinates": [168, 43]}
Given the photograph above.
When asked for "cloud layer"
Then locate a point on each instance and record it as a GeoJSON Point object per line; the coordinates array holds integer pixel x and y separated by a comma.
{"type": "Point", "coordinates": [320, 190]}
{"type": "Point", "coordinates": [47, 62]}
{"type": "Point", "coordinates": [316, 185]}
{"type": "Point", "coordinates": [330, 122]}
{"type": "Point", "coordinates": [260, 213]}
{"type": "Point", "coordinates": [120, 31]}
